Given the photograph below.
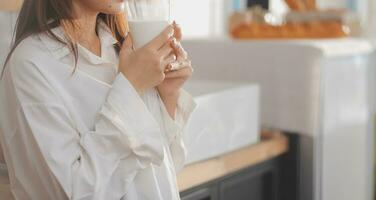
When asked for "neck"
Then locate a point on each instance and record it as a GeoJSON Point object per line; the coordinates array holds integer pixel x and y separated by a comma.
{"type": "Point", "coordinates": [84, 27]}
{"type": "Point", "coordinates": [85, 22]}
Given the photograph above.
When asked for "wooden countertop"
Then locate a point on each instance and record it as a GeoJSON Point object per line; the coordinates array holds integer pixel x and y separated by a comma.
{"type": "Point", "coordinates": [273, 144]}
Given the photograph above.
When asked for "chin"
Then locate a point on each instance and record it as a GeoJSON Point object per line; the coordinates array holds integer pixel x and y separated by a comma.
{"type": "Point", "coordinates": [115, 7]}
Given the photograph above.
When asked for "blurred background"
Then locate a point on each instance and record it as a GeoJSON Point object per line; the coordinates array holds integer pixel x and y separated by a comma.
{"type": "Point", "coordinates": [211, 16]}
{"type": "Point", "coordinates": [285, 92]}
{"type": "Point", "coordinates": [313, 61]}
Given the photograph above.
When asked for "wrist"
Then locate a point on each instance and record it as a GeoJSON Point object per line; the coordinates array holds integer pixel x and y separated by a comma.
{"type": "Point", "coordinates": [137, 86]}
{"type": "Point", "coordinates": [170, 101]}
{"type": "Point", "coordinates": [172, 95]}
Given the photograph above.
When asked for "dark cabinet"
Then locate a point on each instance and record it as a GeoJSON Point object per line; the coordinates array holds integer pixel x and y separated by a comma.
{"type": "Point", "coordinates": [209, 193]}
{"type": "Point", "coordinates": [255, 183]}
{"type": "Point", "coordinates": [274, 179]}
{"type": "Point", "coordinates": [252, 184]}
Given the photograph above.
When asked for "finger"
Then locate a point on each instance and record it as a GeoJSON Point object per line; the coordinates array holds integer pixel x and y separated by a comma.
{"type": "Point", "coordinates": [178, 34]}
{"type": "Point", "coordinates": [173, 66]}
{"type": "Point", "coordinates": [179, 50]}
{"type": "Point", "coordinates": [162, 38]}
{"type": "Point", "coordinates": [180, 64]}
{"type": "Point", "coordinates": [166, 50]}
{"type": "Point", "coordinates": [168, 68]}
{"type": "Point", "coordinates": [176, 66]}
{"type": "Point", "coordinates": [183, 72]}
{"type": "Point", "coordinates": [169, 60]}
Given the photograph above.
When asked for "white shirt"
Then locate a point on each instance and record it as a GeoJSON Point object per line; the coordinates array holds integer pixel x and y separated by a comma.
{"type": "Point", "coordinates": [86, 134]}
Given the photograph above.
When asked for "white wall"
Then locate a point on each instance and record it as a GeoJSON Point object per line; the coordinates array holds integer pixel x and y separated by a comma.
{"type": "Point", "coordinates": [204, 18]}
{"type": "Point", "coordinates": [7, 21]}
{"type": "Point", "coordinates": [371, 29]}
{"type": "Point", "coordinates": [193, 16]}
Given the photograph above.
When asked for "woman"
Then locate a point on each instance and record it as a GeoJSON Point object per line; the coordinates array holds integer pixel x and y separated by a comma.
{"type": "Point", "coordinates": [83, 114]}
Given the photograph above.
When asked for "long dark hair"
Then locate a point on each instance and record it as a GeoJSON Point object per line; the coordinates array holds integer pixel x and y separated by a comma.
{"type": "Point", "coordinates": [38, 16]}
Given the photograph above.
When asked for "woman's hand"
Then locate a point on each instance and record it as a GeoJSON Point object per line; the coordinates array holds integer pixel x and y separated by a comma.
{"type": "Point", "coordinates": [175, 79]}
{"type": "Point", "coordinates": [169, 89]}
{"type": "Point", "coordinates": [145, 67]}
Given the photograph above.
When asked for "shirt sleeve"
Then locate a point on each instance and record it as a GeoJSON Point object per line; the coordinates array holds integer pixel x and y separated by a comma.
{"type": "Point", "coordinates": [176, 128]}
{"type": "Point", "coordinates": [97, 164]}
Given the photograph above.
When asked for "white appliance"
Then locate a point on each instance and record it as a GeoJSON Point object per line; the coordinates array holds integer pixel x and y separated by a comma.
{"type": "Point", "coordinates": [226, 118]}
{"type": "Point", "coordinates": [321, 90]}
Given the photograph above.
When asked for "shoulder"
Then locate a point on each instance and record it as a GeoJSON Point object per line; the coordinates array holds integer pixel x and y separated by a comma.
{"type": "Point", "coordinates": [29, 49]}
{"type": "Point", "coordinates": [29, 54]}
{"type": "Point", "coordinates": [32, 54]}
{"type": "Point", "coordinates": [29, 71]}
{"type": "Point", "coordinates": [32, 64]}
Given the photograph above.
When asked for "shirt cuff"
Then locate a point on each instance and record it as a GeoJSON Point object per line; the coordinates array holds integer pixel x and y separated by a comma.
{"type": "Point", "coordinates": [128, 112]}
{"type": "Point", "coordinates": [185, 107]}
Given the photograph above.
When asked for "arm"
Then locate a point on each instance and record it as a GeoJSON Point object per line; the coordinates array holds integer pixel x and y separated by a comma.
{"type": "Point", "coordinates": [175, 127]}
{"type": "Point", "coordinates": [87, 164]}
{"type": "Point", "coordinates": [170, 103]}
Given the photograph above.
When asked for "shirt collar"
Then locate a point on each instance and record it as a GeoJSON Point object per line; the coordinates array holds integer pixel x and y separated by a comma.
{"type": "Point", "coordinates": [60, 50]}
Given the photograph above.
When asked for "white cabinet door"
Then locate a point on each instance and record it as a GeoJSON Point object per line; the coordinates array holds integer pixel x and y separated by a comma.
{"type": "Point", "coordinates": [346, 136]}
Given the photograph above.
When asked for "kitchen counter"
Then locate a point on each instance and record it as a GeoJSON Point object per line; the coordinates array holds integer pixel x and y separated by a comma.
{"type": "Point", "coordinates": [272, 145]}
{"type": "Point", "coordinates": [321, 90]}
